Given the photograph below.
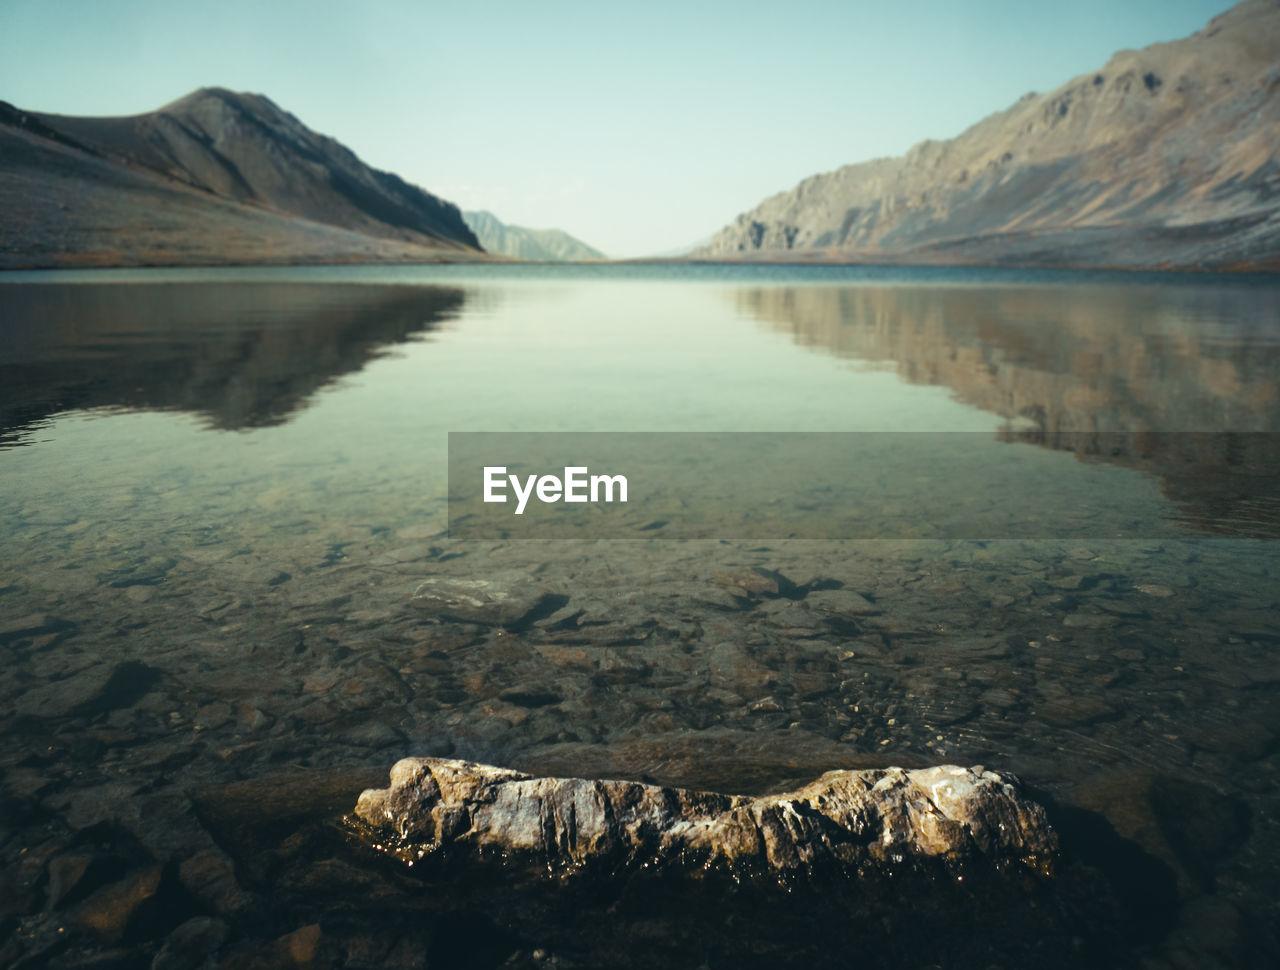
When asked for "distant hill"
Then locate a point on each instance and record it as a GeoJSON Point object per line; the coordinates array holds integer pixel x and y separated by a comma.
{"type": "Point", "coordinates": [214, 177]}
{"type": "Point", "coordinates": [538, 244]}
{"type": "Point", "coordinates": [1168, 156]}
{"type": "Point", "coordinates": [684, 250]}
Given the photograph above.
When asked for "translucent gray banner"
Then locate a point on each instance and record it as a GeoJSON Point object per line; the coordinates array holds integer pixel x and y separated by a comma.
{"type": "Point", "coordinates": [862, 485]}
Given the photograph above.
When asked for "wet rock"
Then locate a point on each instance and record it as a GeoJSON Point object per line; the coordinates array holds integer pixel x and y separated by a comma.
{"type": "Point", "coordinates": [372, 734]}
{"type": "Point", "coordinates": [840, 602]}
{"type": "Point", "coordinates": [409, 553]}
{"type": "Point", "coordinates": [732, 668]}
{"type": "Point", "coordinates": [296, 949]}
{"type": "Point", "coordinates": [869, 823]}
{"type": "Point", "coordinates": [110, 910]}
{"type": "Point", "coordinates": [1000, 698]}
{"type": "Point", "coordinates": [19, 884]}
{"type": "Point", "coordinates": [492, 602]}
{"type": "Point", "coordinates": [192, 946]}
{"type": "Point", "coordinates": [1089, 621]}
{"type": "Point", "coordinates": [212, 716]}
{"type": "Point", "coordinates": [250, 719]}
{"type": "Point", "coordinates": [530, 696]}
{"type": "Point", "coordinates": [1121, 607]}
{"type": "Point", "coordinates": [100, 688]}
{"type": "Point", "coordinates": [1075, 710]}
{"type": "Point", "coordinates": [1067, 582]}
{"type": "Point", "coordinates": [747, 582]}
{"type": "Point", "coordinates": [65, 874]}
{"type": "Point", "coordinates": [30, 625]}
{"type": "Point", "coordinates": [723, 598]}
{"type": "Point", "coordinates": [210, 877]}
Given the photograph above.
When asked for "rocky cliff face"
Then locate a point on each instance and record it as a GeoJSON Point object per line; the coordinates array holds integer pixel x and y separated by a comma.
{"type": "Point", "coordinates": [553, 245]}
{"type": "Point", "coordinates": [213, 177]}
{"type": "Point", "coordinates": [1168, 156]}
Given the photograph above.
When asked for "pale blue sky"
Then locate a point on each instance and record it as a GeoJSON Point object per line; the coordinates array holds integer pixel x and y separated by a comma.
{"type": "Point", "coordinates": [638, 128]}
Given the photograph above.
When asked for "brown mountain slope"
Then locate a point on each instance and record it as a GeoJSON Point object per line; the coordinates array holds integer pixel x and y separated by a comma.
{"type": "Point", "coordinates": [215, 177]}
{"type": "Point", "coordinates": [1166, 156]}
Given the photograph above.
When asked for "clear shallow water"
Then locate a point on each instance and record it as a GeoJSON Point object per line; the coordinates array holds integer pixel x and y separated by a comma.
{"type": "Point", "coordinates": [222, 489]}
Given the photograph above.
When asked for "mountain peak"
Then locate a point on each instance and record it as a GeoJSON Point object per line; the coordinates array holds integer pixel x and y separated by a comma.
{"type": "Point", "coordinates": [215, 176]}
{"type": "Point", "coordinates": [246, 148]}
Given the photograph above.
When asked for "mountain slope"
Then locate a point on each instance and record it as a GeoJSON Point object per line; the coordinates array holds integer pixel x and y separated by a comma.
{"type": "Point", "coordinates": [215, 177]}
{"type": "Point", "coordinates": [538, 244]}
{"type": "Point", "coordinates": [1166, 156]}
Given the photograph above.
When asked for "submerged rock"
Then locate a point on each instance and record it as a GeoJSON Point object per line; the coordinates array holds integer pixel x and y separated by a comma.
{"type": "Point", "coordinates": [854, 822]}
{"type": "Point", "coordinates": [492, 602]}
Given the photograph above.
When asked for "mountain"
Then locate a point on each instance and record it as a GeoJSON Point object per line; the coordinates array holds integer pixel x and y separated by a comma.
{"type": "Point", "coordinates": [214, 177]}
{"type": "Point", "coordinates": [682, 251]}
{"type": "Point", "coordinates": [538, 244]}
{"type": "Point", "coordinates": [1165, 157]}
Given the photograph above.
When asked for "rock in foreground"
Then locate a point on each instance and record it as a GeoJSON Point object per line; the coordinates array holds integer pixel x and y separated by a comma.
{"type": "Point", "coordinates": [942, 864]}
{"type": "Point", "coordinates": [855, 821]}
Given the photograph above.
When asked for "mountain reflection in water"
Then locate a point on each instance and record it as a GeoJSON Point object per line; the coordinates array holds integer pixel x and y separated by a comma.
{"type": "Point", "coordinates": [243, 356]}
{"type": "Point", "coordinates": [1181, 384]}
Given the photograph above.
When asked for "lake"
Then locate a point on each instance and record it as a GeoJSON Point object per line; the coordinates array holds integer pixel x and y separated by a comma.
{"type": "Point", "coordinates": [1027, 520]}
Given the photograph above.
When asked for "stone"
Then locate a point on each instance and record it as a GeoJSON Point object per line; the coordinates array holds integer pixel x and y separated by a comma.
{"type": "Point", "coordinates": [488, 601]}
{"type": "Point", "coordinates": [863, 823]}
{"type": "Point", "coordinates": [109, 911]}
{"type": "Point", "coordinates": [747, 582]}
{"type": "Point", "coordinates": [212, 716]}
{"type": "Point", "coordinates": [1089, 621]}
{"type": "Point", "coordinates": [372, 734]}
{"type": "Point", "coordinates": [1075, 710]}
{"type": "Point", "coordinates": [65, 873]}
{"type": "Point", "coordinates": [840, 602]}
{"type": "Point", "coordinates": [210, 877]}
{"type": "Point", "coordinates": [1067, 582]}
{"type": "Point", "coordinates": [191, 946]}
{"type": "Point", "coordinates": [29, 625]}
{"type": "Point", "coordinates": [297, 949]}
{"type": "Point", "coordinates": [100, 688]}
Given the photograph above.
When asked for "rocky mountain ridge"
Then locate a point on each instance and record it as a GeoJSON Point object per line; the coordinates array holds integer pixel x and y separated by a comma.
{"type": "Point", "coordinates": [1168, 156]}
{"type": "Point", "coordinates": [214, 177]}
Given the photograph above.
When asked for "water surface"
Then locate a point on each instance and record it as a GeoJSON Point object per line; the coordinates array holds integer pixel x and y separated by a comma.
{"type": "Point", "coordinates": [222, 488]}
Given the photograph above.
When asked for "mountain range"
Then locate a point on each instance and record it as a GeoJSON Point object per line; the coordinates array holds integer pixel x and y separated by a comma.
{"type": "Point", "coordinates": [1167, 157]}
{"type": "Point", "coordinates": [554, 245]}
{"type": "Point", "coordinates": [1164, 157]}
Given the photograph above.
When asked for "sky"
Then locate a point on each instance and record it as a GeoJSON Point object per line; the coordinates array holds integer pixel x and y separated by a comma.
{"type": "Point", "coordinates": [638, 128]}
